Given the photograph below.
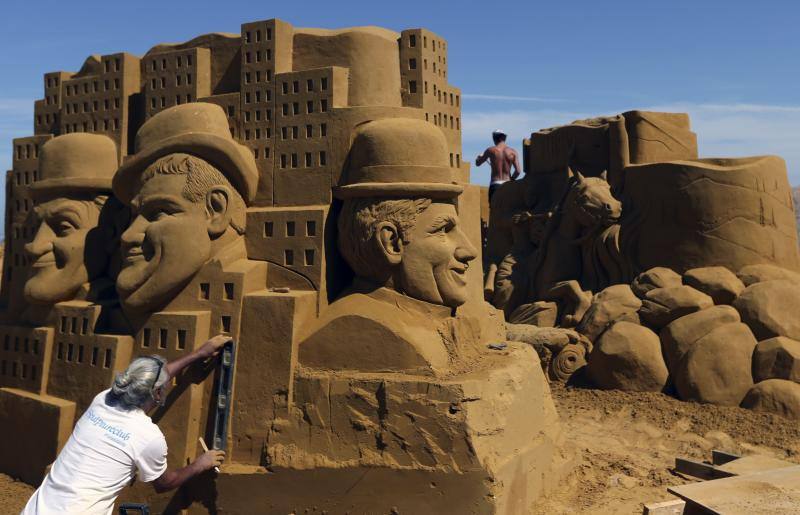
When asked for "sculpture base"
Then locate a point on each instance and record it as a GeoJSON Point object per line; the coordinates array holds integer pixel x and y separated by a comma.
{"type": "Point", "coordinates": [484, 441]}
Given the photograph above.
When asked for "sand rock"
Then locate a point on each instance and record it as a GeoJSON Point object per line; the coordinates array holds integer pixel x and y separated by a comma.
{"type": "Point", "coordinates": [777, 396]}
{"type": "Point", "coordinates": [663, 305]}
{"type": "Point", "coordinates": [717, 368]}
{"type": "Point", "coordinates": [614, 304]}
{"type": "Point", "coordinates": [658, 277]}
{"type": "Point", "coordinates": [771, 309]}
{"type": "Point", "coordinates": [717, 282]}
{"type": "Point", "coordinates": [679, 336]}
{"type": "Point", "coordinates": [753, 274]}
{"type": "Point", "coordinates": [628, 357]}
{"type": "Point", "coordinates": [777, 358]}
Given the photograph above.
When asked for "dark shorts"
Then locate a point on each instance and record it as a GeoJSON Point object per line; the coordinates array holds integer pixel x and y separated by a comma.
{"type": "Point", "coordinates": [492, 189]}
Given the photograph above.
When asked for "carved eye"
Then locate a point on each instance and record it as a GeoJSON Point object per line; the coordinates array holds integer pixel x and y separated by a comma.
{"type": "Point", "coordinates": [64, 227]}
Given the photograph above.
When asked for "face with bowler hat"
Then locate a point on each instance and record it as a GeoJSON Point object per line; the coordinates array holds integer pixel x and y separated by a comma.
{"type": "Point", "coordinates": [398, 227]}
{"type": "Point", "coordinates": [71, 245]}
{"type": "Point", "coordinates": [187, 186]}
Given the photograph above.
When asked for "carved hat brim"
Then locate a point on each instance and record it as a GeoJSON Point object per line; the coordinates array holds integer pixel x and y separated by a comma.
{"type": "Point", "coordinates": [52, 187]}
{"type": "Point", "coordinates": [400, 181]}
{"type": "Point", "coordinates": [234, 160]}
{"type": "Point", "coordinates": [399, 190]}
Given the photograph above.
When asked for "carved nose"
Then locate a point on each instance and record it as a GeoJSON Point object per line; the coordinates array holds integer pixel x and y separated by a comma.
{"type": "Point", "coordinates": [608, 207]}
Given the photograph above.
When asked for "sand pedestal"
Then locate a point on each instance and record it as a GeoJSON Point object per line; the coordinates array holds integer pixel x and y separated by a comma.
{"type": "Point", "coordinates": [485, 441]}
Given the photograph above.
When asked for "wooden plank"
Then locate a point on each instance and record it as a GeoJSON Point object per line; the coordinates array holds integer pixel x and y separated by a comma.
{"type": "Point", "coordinates": [699, 469]}
{"type": "Point", "coordinates": [721, 457]}
{"type": "Point", "coordinates": [771, 492]}
{"type": "Point", "coordinates": [673, 507]}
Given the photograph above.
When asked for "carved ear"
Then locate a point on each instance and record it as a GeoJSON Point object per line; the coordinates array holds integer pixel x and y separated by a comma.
{"type": "Point", "coordinates": [389, 243]}
{"type": "Point", "coordinates": [579, 176]}
{"type": "Point", "coordinates": [604, 175]}
{"type": "Point", "coordinates": [218, 210]}
{"type": "Point", "coordinates": [570, 173]}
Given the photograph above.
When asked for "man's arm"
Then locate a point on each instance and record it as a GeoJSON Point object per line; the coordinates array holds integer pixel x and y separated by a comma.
{"type": "Point", "coordinates": [517, 167]}
{"type": "Point", "coordinates": [482, 158]}
{"type": "Point", "coordinates": [209, 349]}
{"type": "Point", "coordinates": [172, 479]}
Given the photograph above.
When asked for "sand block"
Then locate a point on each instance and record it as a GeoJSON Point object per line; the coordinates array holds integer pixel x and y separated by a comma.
{"type": "Point", "coordinates": [482, 441]}
{"type": "Point", "coordinates": [678, 337]}
{"type": "Point", "coordinates": [718, 282]}
{"type": "Point", "coordinates": [777, 396]}
{"type": "Point", "coordinates": [770, 309]}
{"type": "Point", "coordinates": [777, 358]}
{"type": "Point", "coordinates": [663, 305]}
{"type": "Point", "coordinates": [628, 357]}
{"type": "Point", "coordinates": [754, 463]}
{"type": "Point", "coordinates": [716, 369]}
{"type": "Point", "coordinates": [769, 492]}
{"type": "Point", "coordinates": [657, 277]}
{"type": "Point", "coordinates": [759, 273]}
{"type": "Point", "coordinates": [34, 429]}
{"type": "Point", "coordinates": [615, 303]}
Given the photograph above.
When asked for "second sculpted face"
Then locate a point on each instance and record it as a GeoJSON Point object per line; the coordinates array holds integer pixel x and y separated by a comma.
{"type": "Point", "coordinates": [165, 245]}
{"type": "Point", "coordinates": [435, 261]}
{"type": "Point", "coordinates": [66, 252]}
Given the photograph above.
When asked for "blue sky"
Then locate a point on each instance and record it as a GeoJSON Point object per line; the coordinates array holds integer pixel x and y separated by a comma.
{"type": "Point", "coordinates": [522, 66]}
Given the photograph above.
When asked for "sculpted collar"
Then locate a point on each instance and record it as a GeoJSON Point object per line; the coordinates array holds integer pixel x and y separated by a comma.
{"type": "Point", "coordinates": [403, 302]}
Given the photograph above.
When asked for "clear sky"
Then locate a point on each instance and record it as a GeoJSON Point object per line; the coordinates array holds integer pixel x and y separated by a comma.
{"type": "Point", "coordinates": [732, 65]}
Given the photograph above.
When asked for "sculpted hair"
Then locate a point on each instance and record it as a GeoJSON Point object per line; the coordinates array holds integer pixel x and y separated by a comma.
{"type": "Point", "coordinates": [357, 222]}
{"type": "Point", "coordinates": [134, 387]}
{"type": "Point", "coordinates": [201, 176]}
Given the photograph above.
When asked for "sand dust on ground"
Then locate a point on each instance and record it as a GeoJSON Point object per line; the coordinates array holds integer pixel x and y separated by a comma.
{"type": "Point", "coordinates": [13, 495]}
{"type": "Point", "coordinates": [627, 442]}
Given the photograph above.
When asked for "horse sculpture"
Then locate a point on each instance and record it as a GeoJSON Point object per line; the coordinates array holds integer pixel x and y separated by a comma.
{"type": "Point", "coordinates": [577, 255]}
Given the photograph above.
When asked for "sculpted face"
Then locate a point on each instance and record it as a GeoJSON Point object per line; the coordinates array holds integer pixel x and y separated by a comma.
{"type": "Point", "coordinates": [66, 252]}
{"type": "Point", "coordinates": [166, 244]}
{"type": "Point", "coordinates": [435, 260]}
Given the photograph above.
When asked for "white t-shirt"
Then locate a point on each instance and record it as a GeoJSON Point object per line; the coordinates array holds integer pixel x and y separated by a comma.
{"type": "Point", "coordinates": [107, 447]}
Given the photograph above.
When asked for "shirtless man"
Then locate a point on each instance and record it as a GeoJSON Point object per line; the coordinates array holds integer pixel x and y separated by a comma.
{"type": "Point", "coordinates": [501, 157]}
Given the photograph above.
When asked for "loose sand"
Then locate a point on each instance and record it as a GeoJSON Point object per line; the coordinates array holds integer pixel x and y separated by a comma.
{"type": "Point", "coordinates": [628, 443]}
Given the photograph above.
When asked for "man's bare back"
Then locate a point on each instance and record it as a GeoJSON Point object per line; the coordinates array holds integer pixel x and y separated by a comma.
{"type": "Point", "coordinates": [501, 157]}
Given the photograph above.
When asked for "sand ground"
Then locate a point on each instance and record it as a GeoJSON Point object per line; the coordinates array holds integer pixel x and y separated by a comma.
{"type": "Point", "coordinates": [628, 443]}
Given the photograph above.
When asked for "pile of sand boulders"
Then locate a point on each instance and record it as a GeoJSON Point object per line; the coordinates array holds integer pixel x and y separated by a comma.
{"type": "Point", "coordinates": [709, 335]}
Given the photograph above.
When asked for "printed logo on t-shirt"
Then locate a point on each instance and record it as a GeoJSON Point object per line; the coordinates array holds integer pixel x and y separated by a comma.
{"type": "Point", "coordinates": [113, 433]}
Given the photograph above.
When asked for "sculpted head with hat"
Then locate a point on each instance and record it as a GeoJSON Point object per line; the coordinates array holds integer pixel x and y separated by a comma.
{"type": "Point", "coordinates": [73, 241]}
{"type": "Point", "coordinates": [398, 227]}
{"type": "Point", "coordinates": [187, 186]}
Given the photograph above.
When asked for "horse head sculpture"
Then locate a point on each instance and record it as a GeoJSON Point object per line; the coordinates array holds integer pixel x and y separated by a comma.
{"type": "Point", "coordinates": [592, 201]}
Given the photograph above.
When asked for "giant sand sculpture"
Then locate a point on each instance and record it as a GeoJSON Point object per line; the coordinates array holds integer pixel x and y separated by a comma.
{"type": "Point", "coordinates": [679, 273]}
{"type": "Point", "coordinates": [302, 191]}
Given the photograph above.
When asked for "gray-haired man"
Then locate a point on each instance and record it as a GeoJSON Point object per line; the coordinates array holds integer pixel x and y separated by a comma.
{"type": "Point", "coordinates": [115, 438]}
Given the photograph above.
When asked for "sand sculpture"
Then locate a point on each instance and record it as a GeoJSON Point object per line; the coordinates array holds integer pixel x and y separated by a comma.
{"type": "Point", "coordinates": [679, 273]}
{"type": "Point", "coordinates": [301, 190]}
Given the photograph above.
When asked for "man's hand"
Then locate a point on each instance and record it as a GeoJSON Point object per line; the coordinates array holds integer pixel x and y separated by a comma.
{"type": "Point", "coordinates": [213, 346]}
{"type": "Point", "coordinates": [209, 459]}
